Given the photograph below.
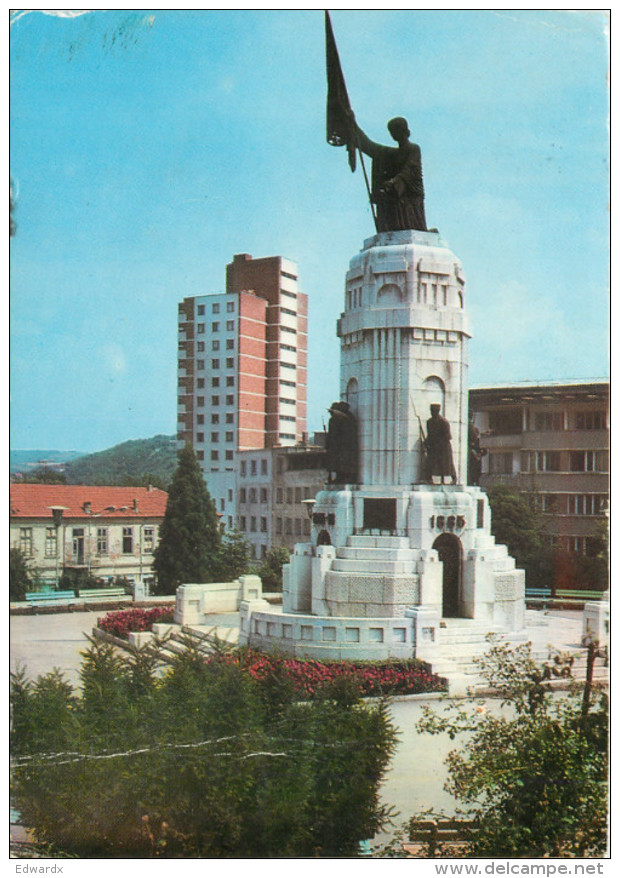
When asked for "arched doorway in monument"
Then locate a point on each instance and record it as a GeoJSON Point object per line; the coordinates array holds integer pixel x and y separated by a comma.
{"type": "Point", "coordinates": [450, 553]}
{"type": "Point", "coordinates": [324, 539]}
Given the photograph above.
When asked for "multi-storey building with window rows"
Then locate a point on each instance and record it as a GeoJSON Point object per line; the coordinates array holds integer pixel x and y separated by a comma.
{"type": "Point", "coordinates": [551, 440]}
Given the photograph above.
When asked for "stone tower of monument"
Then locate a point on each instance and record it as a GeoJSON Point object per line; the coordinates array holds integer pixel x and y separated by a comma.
{"type": "Point", "coordinates": [401, 562]}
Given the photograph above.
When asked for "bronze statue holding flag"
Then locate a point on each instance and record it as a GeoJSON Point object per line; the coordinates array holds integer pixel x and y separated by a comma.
{"type": "Point", "coordinates": [397, 192]}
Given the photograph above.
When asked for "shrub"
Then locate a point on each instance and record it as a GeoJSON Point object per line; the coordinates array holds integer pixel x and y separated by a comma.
{"type": "Point", "coordinates": [196, 763]}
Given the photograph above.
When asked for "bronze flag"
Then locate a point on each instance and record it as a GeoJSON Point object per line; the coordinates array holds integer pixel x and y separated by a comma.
{"type": "Point", "coordinates": [340, 126]}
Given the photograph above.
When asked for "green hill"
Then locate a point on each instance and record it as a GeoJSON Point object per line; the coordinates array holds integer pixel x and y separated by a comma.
{"type": "Point", "coordinates": [136, 462]}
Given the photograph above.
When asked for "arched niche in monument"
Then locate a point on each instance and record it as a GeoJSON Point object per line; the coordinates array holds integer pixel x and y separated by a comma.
{"type": "Point", "coordinates": [389, 294]}
{"type": "Point", "coordinates": [352, 395]}
{"type": "Point", "coordinates": [450, 551]}
{"type": "Point", "coordinates": [324, 538]}
{"type": "Point", "coordinates": [433, 392]}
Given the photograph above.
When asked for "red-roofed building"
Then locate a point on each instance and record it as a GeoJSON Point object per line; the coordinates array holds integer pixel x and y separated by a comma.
{"type": "Point", "coordinates": [105, 531]}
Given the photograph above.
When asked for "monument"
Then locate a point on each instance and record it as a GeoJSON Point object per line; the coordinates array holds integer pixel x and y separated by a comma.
{"type": "Point", "coordinates": [401, 560]}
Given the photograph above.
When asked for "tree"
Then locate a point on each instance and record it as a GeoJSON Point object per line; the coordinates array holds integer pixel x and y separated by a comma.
{"type": "Point", "coordinates": [200, 761]}
{"type": "Point", "coordinates": [189, 545]}
{"type": "Point", "coordinates": [234, 556]}
{"type": "Point", "coordinates": [515, 524]}
{"type": "Point", "coordinates": [534, 775]}
{"type": "Point", "coordinates": [270, 569]}
{"type": "Point", "coordinates": [19, 578]}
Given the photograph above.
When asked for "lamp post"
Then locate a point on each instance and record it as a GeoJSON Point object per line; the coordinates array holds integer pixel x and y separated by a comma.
{"type": "Point", "coordinates": [57, 512]}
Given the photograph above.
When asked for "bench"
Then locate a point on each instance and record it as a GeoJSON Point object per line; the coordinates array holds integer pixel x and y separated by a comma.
{"type": "Point", "coordinates": [101, 593]}
{"type": "Point", "coordinates": [576, 597]}
{"type": "Point", "coordinates": [47, 596]}
{"type": "Point", "coordinates": [441, 831]}
{"type": "Point", "coordinates": [539, 597]}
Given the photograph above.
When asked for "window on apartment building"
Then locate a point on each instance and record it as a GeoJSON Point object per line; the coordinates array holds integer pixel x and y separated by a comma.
{"type": "Point", "coordinates": [229, 455]}
{"type": "Point", "coordinates": [252, 495]}
{"type": "Point", "coordinates": [230, 362]}
{"type": "Point", "coordinates": [215, 382]}
{"type": "Point", "coordinates": [253, 524]}
{"type": "Point", "coordinates": [287, 401]}
{"type": "Point", "coordinates": [230, 418]}
{"type": "Point", "coordinates": [215, 419]}
{"type": "Point", "coordinates": [215, 364]}
{"type": "Point", "coordinates": [128, 541]}
{"type": "Point", "coordinates": [230, 399]}
{"type": "Point", "coordinates": [548, 421]}
{"type": "Point", "coordinates": [586, 504]}
{"type": "Point", "coordinates": [200, 400]}
{"type": "Point", "coordinates": [242, 495]}
{"type": "Point", "coordinates": [215, 437]}
{"type": "Point", "coordinates": [278, 525]}
{"type": "Point", "coordinates": [148, 540]}
{"type": "Point", "coordinates": [551, 503]}
{"type": "Point", "coordinates": [548, 462]}
{"type": "Point", "coordinates": [588, 461]}
{"type": "Point", "coordinates": [505, 423]}
{"type": "Point", "coordinates": [307, 527]}
{"type": "Point", "coordinates": [200, 329]}
{"type": "Point", "coordinates": [230, 381]}
{"type": "Point", "coordinates": [263, 525]}
{"type": "Point", "coordinates": [263, 467]}
{"type": "Point", "coordinates": [201, 310]}
{"type": "Point", "coordinates": [200, 383]}
{"type": "Point", "coordinates": [253, 467]}
{"type": "Point", "coordinates": [279, 495]}
{"type": "Point", "coordinates": [215, 308]}
{"type": "Point", "coordinates": [243, 467]}
{"type": "Point", "coordinates": [230, 307]}
{"type": "Point", "coordinates": [200, 419]}
{"type": "Point", "coordinates": [242, 523]}
{"type": "Point", "coordinates": [230, 344]}
{"type": "Point", "coordinates": [287, 436]}
{"type": "Point", "coordinates": [263, 495]}
{"type": "Point", "coordinates": [500, 462]}
{"type": "Point", "coordinates": [102, 541]}
{"type": "Point", "coordinates": [288, 383]}
{"type": "Point", "coordinates": [297, 495]}
{"type": "Point", "coordinates": [288, 526]}
{"type": "Point", "coordinates": [215, 327]}
{"type": "Point", "coordinates": [51, 543]}
{"type": "Point", "coordinates": [215, 344]}
{"type": "Point", "coordinates": [289, 495]}
{"type": "Point", "coordinates": [222, 504]}
{"type": "Point", "coordinates": [25, 540]}
{"type": "Point", "coordinates": [230, 522]}
{"type": "Point", "coordinates": [215, 400]}
{"type": "Point", "coordinates": [200, 346]}
{"type": "Point", "coordinates": [200, 455]}
{"type": "Point", "coordinates": [200, 437]}
{"type": "Point", "coordinates": [200, 364]}
{"type": "Point", "coordinates": [288, 347]}
{"type": "Point", "coordinates": [230, 436]}
{"type": "Point", "coordinates": [230, 495]}
{"type": "Point", "coordinates": [215, 455]}
{"type": "Point", "coordinates": [230, 325]}
{"type": "Point", "coordinates": [592, 420]}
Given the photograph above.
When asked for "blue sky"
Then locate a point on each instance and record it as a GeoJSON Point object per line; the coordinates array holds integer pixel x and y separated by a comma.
{"type": "Point", "coordinates": [149, 147]}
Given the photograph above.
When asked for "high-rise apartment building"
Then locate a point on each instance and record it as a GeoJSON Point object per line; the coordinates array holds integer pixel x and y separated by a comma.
{"type": "Point", "coordinates": [242, 369]}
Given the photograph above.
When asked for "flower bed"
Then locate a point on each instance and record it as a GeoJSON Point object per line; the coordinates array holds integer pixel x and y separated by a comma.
{"type": "Point", "coordinates": [407, 677]}
{"type": "Point", "coordinates": [121, 622]}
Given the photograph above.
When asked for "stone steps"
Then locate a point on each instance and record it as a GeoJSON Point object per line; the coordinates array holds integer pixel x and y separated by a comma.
{"type": "Point", "coordinates": [370, 541]}
{"type": "Point", "coordinates": [371, 554]}
{"type": "Point", "coordinates": [342, 565]}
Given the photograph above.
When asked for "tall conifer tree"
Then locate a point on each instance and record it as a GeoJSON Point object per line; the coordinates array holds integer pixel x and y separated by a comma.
{"type": "Point", "coordinates": [189, 546]}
